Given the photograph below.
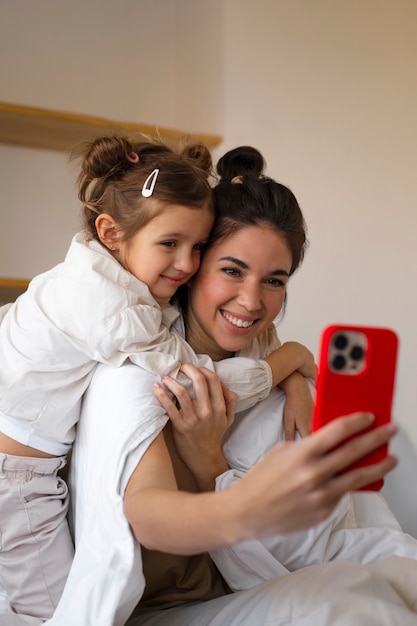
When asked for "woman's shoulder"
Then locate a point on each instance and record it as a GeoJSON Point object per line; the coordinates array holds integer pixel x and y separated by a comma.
{"type": "Point", "coordinates": [120, 402]}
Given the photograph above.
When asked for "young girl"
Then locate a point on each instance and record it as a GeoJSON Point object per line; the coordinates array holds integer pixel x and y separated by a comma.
{"type": "Point", "coordinates": [148, 212]}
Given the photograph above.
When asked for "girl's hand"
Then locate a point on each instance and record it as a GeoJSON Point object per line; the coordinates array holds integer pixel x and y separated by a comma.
{"type": "Point", "coordinates": [298, 408]}
{"type": "Point", "coordinates": [199, 425]}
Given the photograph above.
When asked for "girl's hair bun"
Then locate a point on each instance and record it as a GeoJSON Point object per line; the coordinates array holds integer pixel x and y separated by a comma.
{"type": "Point", "coordinates": [201, 156]}
{"type": "Point", "coordinates": [241, 161]}
{"type": "Point", "coordinates": [106, 156]}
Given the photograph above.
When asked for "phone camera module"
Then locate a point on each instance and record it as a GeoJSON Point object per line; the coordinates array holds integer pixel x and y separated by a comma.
{"type": "Point", "coordinates": [347, 353]}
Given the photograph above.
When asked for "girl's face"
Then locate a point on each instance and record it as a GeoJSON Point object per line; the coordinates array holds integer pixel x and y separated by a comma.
{"type": "Point", "coordinates": [166, 252]}
{"type": "Point", "coordinates": [238, 291]}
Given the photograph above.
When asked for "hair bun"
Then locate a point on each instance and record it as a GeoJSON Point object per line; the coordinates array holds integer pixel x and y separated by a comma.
{"type": "Point", "coordinates": [106, 156]}
{"type": "Point", "coordinates": [201, 156]}
{"type": "Point", "coordinates": [241, 161]}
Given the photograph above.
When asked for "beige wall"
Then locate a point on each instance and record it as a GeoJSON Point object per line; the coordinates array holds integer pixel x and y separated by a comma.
{"type": "Point", "coordinates": [326, 89]}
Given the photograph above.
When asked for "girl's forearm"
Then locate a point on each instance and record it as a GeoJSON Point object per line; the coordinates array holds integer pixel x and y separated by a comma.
{"type": "Point", "coordinates": [289, 358]}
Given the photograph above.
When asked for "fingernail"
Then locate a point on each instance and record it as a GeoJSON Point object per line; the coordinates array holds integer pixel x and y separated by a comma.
{"type": "Point", "coordinates": [391, 427]}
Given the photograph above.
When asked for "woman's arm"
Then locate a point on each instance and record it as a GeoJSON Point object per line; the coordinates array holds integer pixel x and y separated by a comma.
{"type": "Point", "coordinates": [295, 486]}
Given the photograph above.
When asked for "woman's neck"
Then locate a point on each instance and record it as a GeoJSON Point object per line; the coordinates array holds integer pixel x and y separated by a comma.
{"type": "Point", "coordinates": [200, 342]}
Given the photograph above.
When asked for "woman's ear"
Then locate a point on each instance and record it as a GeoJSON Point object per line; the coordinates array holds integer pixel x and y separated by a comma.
{"type": "Point", "coordinates": [108, 231]}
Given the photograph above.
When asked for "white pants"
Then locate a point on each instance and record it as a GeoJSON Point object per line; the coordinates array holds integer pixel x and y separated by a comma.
{"type": "Point", "coordinates": [36, 549]}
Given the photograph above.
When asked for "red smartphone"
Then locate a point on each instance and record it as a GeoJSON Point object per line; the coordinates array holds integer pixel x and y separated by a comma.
{"type": "Point", "coordinates": [356, 372]}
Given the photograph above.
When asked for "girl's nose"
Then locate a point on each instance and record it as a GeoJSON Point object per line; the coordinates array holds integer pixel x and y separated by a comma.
{"type": "Point", "coordinates": [187, 262]}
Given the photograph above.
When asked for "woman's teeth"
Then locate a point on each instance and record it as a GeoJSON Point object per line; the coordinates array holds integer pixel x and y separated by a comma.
{"type": "Point", "coordinates": [236, 321]}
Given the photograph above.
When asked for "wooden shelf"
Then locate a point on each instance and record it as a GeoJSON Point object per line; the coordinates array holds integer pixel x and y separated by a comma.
{"type": "Point", "coordinates": [57, 130]}
{"type": "Point", "coordinates": [11, 288]}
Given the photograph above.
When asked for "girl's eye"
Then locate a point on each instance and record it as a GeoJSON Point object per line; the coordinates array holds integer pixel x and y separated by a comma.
{"type": "Point", "coordinates": [168, 244]}
{"type": "Point", "coordinates": [199, 247]}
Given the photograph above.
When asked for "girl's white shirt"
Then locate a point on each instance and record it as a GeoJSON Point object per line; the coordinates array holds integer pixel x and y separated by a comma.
{"type": "Point", "coordinates": [84, 311]}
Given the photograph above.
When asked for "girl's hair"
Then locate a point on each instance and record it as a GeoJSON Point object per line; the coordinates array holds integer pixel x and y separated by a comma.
{"type": "Point", "coordinates": [245, 197]}
{"type": "Point", "coordinates": [113, 173]}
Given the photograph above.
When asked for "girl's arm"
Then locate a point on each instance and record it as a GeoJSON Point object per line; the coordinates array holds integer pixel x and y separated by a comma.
{"type": "Point", "coordinates": [152, 346]}
{"type": "Point", "coordinates": [295, 486]}
{"type": "Point", "coordinates": [291, 357]}
{"type": "Point", "coordinates": [252, 379]}
{"type": "Point", "coordinates": [298, 408]}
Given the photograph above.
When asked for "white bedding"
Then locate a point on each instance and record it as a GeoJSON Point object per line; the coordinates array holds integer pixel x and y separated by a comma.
{"type": "Point", "coordinates": [341, 593]}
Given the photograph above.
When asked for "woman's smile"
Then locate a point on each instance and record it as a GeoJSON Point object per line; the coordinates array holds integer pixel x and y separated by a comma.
{"type": "Point", "coordinates": [238, 291]}
{"type": "Point", "coordinates": [237, 321]}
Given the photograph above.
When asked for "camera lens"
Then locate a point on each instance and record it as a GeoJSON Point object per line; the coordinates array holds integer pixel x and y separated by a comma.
{"type": "Point", "coordinates": [339, 362]}
{"type": "Point", "coordinates": [340, 341]}
{"type": "Point", "coordinates": [356, 353]}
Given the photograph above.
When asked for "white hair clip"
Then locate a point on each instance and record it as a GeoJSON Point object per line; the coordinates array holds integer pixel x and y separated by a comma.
{"type": "Point", "coordinates": [149, 184]}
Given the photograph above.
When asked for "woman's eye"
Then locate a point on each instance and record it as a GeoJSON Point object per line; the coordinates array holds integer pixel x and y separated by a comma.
{"type": "Point", "coordinates": [275, 282]}
{"type": "Point", "coordinates": [231, 271]}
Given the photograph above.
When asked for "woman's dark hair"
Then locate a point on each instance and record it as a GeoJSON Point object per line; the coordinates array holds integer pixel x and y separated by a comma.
{"type": "Point", "coordinates": [115, 168]}
{"type": "Point", "coordinates": [245, 197]}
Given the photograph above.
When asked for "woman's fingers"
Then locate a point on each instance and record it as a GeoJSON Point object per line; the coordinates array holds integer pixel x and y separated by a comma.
{"type": "Point", "coordinates": [339, 462]}
{"type": "Point", "coordinates": [341, 444]}
{"type": "Point", "coordinates": [355, 479]}
{"type": "Point", "coordinates": [339, 430]}
{"type": "Point", "coordinates": [208, 389]}
{"type": "Point", "coordinates": [210, 401]}
{"type": "Point", "coordinates": [166, 401]}
{"type": "Point", "coordinates": [204, 381]}
{"type": "Point", "coordinates": [331, 461]}
{"type": "Point", "coordinates": [297, 484]}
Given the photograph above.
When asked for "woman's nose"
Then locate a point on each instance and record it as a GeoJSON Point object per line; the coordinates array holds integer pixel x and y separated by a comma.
{"type": "Point", "coordinates": [250, 297]}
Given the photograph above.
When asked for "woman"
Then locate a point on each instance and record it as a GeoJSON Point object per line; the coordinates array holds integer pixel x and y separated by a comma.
{"type": "Point", "coordinates": [137, 477]}
{"type": "Point", "coordinates": [253, 211]}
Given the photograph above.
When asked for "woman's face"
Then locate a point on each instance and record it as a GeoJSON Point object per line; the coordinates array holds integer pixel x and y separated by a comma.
{"type": "Point", "coordinates": [238, 291]}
